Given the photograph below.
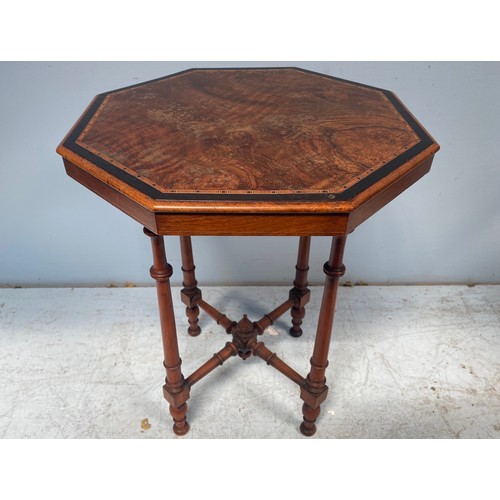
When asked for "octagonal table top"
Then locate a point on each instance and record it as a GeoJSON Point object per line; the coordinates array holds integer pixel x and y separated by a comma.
{"type": "Point", "coordinates": [249, 140]}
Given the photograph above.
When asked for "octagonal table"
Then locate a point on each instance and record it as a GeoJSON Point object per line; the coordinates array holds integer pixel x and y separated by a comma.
{"type": "Point", "coordinates": [247, 152]}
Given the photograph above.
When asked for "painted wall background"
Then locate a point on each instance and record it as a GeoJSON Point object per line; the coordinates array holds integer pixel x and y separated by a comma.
{"type": "Point", "coordinates": [444, 229]}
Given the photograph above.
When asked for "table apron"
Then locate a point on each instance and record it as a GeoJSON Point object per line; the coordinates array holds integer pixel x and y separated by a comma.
{"type": "Point", "coordinates": [202, 224]}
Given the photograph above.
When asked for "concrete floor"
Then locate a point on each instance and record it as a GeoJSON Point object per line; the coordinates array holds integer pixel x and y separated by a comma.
{"type": "Point", "coordinates": [405, 362]}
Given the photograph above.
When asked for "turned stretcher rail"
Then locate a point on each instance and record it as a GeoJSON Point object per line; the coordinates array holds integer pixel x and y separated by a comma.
{"type": "Point", "coordinates": [220, 318]}
{"type": "Point", "coordinates": [273, 360]}
{"type": "Point", "coordinates": [268, 319]}
{"type": "Point", "coordinates": [216, 360]}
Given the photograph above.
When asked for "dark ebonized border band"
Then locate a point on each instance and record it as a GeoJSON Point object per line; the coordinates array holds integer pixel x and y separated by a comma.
{"type": "Point", "coordinates": [348, 194]}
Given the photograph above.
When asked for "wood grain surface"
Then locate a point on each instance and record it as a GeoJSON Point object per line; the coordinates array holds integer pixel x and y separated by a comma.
{"type": "Point", "coordinates": [248, 131]}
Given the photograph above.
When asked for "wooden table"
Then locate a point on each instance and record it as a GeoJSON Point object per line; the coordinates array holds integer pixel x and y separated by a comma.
{"type": "Point", "coordinates": [253, 152]}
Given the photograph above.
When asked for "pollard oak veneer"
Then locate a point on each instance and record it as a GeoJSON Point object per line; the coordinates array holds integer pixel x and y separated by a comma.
{"type": "Point", "coordinates": [253, 152]}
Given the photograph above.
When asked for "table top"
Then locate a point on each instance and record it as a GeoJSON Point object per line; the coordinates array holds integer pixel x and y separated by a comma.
{"type": "Point", "coordinates": [249, 140]}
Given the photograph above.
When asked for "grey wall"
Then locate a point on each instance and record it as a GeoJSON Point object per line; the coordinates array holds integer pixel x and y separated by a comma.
{"type": "Point", "coordinates": [445, 228]}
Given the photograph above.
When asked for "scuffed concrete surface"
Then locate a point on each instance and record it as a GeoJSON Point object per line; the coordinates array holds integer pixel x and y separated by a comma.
{"type": "Point", "coordinates": [405, 362]}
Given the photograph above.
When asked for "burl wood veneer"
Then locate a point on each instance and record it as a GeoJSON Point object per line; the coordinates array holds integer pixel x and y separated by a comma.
{"type": "Point", "coordinates": [254, 152]}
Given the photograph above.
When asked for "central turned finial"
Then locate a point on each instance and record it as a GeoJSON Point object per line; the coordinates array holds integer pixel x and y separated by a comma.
{"type": "Point", "coordinates": [245, 325]}
{"type": "Point", "coordinates": [244, 337]}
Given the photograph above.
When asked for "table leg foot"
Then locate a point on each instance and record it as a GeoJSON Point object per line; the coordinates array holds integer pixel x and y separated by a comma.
{"type": "Point", "coordinates": [308, 426]}
{"type": "Point", "coordinates": [298, 314]}
{"type": "Point", "coordinates": [192, 314]}
{"type": "Point", "coordinates": [299, 294]}
{"type": "Point", "coordinates": [177, 395]}
{"type": "Point", "coordinates": [180, 427]}
{"type": "Point", "coordinates": [190, 294]}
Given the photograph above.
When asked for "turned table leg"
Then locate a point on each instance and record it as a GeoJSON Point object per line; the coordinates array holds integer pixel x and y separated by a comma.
{"type": "Point", "coordinates": [314, 391]}
{"type": "Point", "coordinates": [175, 390]}
{"type": "Point", "coordinates": [190, 293]}
{"type": "Point", "coordinates": [299, 294]}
